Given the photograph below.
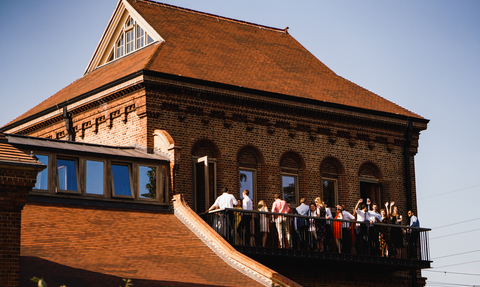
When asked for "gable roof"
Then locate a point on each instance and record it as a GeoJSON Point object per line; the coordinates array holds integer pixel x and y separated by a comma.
{"type": "Point", "coordinates": [217, 49]}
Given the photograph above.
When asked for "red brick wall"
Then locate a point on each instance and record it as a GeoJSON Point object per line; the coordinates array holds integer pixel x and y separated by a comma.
{"type": "Point", "coordinates": [190, 114]}
{"type": "Point", "coordinates": [15, 184]}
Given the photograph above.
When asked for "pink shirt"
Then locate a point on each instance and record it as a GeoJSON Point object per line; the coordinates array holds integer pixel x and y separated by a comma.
{"type": "Point", "coordinates": [280, 206]}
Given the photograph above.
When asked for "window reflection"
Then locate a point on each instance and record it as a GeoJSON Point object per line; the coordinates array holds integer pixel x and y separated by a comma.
{"type": "Point", "coordinates": [94, 180]}
{"type": "Point", "coordinates": [289, 188]}
{"type": "Point", "coordinates": [42, 177]}
{"type": "Point", "coordinates": [121, 180]}
{"type": "Point", "coordinates": [67, 174]}
{"type": "Point", "coordinates": [246, 182]}
{"type": "Point", "coordinates": [329, 192]}
{"type": "Point", "coordinates": [147, 181]}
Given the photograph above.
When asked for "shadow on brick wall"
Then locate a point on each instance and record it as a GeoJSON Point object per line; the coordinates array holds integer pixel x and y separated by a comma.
{"type": "Point", "coordinates": [56, 275]}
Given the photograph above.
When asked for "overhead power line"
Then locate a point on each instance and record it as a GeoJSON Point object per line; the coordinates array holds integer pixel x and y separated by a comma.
{"type": "Point", "coordinates": [455, 254]}
{"type": "Point", "coordinates": [458, 264]}
{"type": "Point", "coordinates": [447, 284]}
{"type": "Point", "coordinates": [455, 273]}
{"type": "Point", "coordinates": [449, 192]}
{"type": "Point", "coordinates": [456, 223]}
{"type": "Point", "coordinates": [455, 233]}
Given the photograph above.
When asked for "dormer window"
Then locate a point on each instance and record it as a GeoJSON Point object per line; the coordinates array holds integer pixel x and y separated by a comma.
{"type": "Point", "coordinates": [131, 38]}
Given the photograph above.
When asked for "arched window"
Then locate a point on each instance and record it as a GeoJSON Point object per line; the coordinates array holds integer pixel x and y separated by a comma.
{"type": "Point", "coordinates": [132, 37]}
{"type": "Point", "coordinates": [330, 172]}
{"type": "Point", "coordinates": [204, 179]}
{"type": "Point", "coordinates": [370, 188]}
{"type": "Point", "coordinates": [248, 160]}
{"type": "Point", "coordinates": [291, 167]}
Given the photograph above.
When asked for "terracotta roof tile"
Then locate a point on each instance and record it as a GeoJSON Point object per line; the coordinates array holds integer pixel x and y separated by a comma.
{"type": "Point", "coordinates": [104, 75]}
{"type": "Point", "coordinates": [11, 154]}
{"type": "Point", "coordinates": [213, 48]}
{"type": "Point", "coordinates": [218, 49]}
{"type": "Point", "coordinates": [108, 244]}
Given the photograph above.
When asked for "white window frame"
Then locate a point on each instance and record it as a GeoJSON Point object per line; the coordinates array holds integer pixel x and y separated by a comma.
{"type": "Point", "coordinates": [254, 184]}
{"type": "Point", "coordinates": [297, 183]}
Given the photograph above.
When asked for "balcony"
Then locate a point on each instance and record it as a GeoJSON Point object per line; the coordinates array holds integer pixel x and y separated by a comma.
{"type": "Point", "coordinates": [363, 245]}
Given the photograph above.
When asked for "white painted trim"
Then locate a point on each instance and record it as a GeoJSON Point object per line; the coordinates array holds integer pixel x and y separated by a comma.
{"type": "Point", "coordinates": [112, 32]}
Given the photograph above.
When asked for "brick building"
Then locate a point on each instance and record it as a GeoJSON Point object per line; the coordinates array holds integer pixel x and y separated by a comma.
{"type": "Point", "coordinates": [221, 103]}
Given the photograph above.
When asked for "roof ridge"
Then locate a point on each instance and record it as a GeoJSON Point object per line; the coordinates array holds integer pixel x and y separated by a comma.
{"type": "Point", "coordinates": [215, 16]}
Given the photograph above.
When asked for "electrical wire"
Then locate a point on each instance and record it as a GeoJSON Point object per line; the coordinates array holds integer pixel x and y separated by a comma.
{"type": "Point", "coordinates": [456, 273]}
{"type": "Point", "coordinates": [456, 223]}
{"type": "Point", "coordinates": [455, 233]}
{"type": "Point", "coordinates": [456, 254]}
{"type": "Point", "coordinates": [458, 264]}
{"type": "Point", "coordinates": [447, 284]}
{"type": "Point", "coordinates": [449, 192]}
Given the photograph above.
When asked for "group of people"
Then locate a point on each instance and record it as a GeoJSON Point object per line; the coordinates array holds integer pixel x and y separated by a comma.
{"type": "Point", "coordinates": [322, 233]}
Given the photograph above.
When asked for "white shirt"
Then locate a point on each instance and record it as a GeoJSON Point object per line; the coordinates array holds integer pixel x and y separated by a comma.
{"type": "Point", "coordinates": [372, 215]}
{"type": "Point", "coordinates": [347, 216]}
{"type": "Point", "coordinates": [247, 203]}
{"type": "Point", "coordinates": [329, 214]}
{"type": "Point", "coordinates": [225, 200]}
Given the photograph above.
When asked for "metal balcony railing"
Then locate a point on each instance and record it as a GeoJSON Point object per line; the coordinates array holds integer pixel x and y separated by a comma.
{"type": "Point", "coordinates": [269, 230]}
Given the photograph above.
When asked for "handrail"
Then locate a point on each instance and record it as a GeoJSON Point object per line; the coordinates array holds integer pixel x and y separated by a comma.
{"type": "Point", "coordinates": [241, 228]}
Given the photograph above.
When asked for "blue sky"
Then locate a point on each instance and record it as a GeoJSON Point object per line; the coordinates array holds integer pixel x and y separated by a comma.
{"type": "Point", "coordinates": [422, 55]}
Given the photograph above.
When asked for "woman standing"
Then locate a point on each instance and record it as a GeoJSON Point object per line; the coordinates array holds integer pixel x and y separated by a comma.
{"type": "Point", "coordinates": [337, 229]}
{"type": "Point", "coordinates": [312, 229]}
{"type": "Point", "coordinates": [264, 222]}
{"type": "Point", "coordinates": [396, 234]}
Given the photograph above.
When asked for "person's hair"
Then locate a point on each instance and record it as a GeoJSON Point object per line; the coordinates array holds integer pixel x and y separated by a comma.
{"type": "Point", "coordinates": [318, 200]}
{"type": "Point", "coordinates": [224, 189]}
{"type": "Point", "coordinates": [383, 209]}
{"type": "Point", "coordinates": [302, 200]}
{"type": "Point", "coordinates": [363, 206]}
{"type": "Point", "coordinates": [246, 191]}
{"type": "Point", "coordinates": [394, 213]}
{"type": "Point", "coordinates": [313, 203]}
{"type": "Point", "coordinates": [261, 204]}
{"type": "Point", "coordinates": [276, 195]}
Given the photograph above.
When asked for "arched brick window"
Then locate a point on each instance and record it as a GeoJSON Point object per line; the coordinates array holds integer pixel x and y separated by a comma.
{"type": "Point", "coordinates": [249, 167]}
{"type": "Point", "coordinates": [330, 173]}
{"type": "Point", "coordinates": [291, 171]}
{"type": "Point", "coordinates": [369, 179]}
{"type": "Point", "coordinates": [204, 177]}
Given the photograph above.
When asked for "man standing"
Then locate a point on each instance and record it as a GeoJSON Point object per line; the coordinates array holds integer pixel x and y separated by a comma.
{"type": "Point", "coordinates": [302, 223]}
{"type": "Point", "coordinates": [374, 216]}
{"type": "Point", "coordinates": [281, 222]}
{"type": "Point", "coordinates": [225, 200]}
{"type": "Point", "coordinates": [414, 235]}
{"type": "Point", "coordinates": [247, 204]}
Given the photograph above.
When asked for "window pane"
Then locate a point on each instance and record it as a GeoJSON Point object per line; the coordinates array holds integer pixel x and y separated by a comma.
{"type": "Point", "coordinates": [246, 182]}
{"type": "Point", "coordinates": [140, 37]}
{"type": "Point", "coordinates": [288, 184]}
{"type": "Point", "coordinates": [149, 39]}
{"type": "Point", "coordinates": [130, 41]}
{"type": "Point", "coordinates": [329, 192]}
{"type": "Point", "coordinates": [67, 174]}
{"type": "Point", "coordinates": [95, 177]}
{"type": "Point", "coordinates": [42, 177]}
{"type": "Point", "coordinates": [147, 180]}
{"type": "Point", "coordinates": [121, 180]}
{"type": "Point", "coordinates": [120, 46]}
